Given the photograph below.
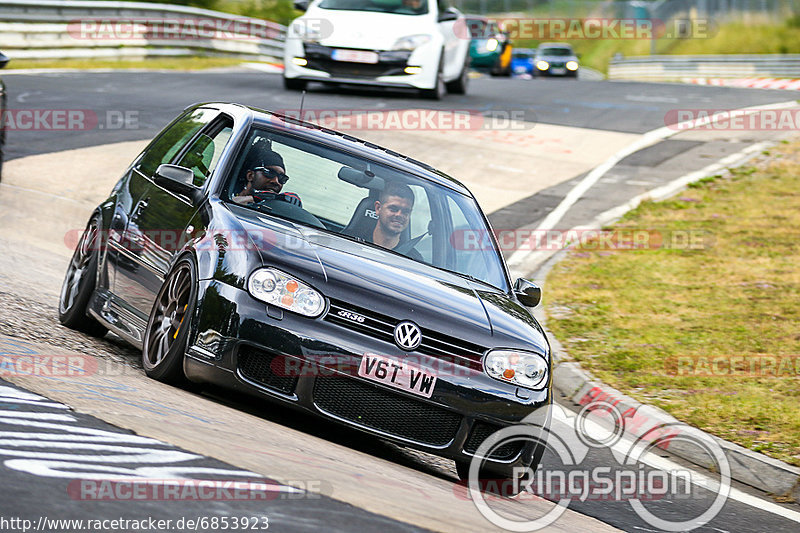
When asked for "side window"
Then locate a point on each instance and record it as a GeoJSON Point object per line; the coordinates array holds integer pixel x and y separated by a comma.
{"type": "Point", "coordinates": [470, 246]}
{"type": "Point", "coordinates": [164, 148]}
{"type": "Point", "coordinates": [204, 152]}
{"type": "Point", "coordinates": [444, 5]}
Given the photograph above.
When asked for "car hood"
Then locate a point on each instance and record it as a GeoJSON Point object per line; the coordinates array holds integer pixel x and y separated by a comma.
{"type": "Point", "coordinates": [367, 30]}
{"type": "Point", "coordinates": [362, 276]}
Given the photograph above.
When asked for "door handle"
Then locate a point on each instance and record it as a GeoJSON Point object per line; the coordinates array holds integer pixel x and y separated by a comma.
{"type": "Point", "coordinates": [141, 206]}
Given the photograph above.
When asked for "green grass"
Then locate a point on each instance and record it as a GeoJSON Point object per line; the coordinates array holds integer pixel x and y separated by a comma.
{"type": "Point", "coordinates": [628, 316]}
{"type": "Point", "coordinates": [177, 63]}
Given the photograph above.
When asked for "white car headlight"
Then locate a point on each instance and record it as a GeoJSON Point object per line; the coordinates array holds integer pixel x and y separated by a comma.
{"type": "Point", "coordinates": [411, 42]}
{"type": "Point", "coordinates": [491, 44]}
{"type": "Point", "coordinates": [525, 369]}
{"type": "Point", "coordinates": [274, 287]}
{"type": "Point", "coordinates": [572, 65]}
{"type": "Point", "coordinates": [542, 65]}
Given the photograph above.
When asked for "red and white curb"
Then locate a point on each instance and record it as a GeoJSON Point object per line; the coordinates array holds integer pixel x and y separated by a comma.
{"type": "Point", "coordinates": [270, 68]}
{"type": "Point", "coordinates": [753, 83]}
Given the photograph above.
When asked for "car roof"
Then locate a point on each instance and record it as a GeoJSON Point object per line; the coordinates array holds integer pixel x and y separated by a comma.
{"type": "Point", "coordinates": [340, 141]}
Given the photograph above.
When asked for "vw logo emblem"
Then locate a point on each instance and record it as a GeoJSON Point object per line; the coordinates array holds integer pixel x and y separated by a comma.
{"type": "Point", "coordinates": [407, 335]}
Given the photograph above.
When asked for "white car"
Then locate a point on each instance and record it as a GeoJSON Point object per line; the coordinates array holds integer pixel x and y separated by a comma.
{"type": "Point", "coordinates": [418, 44]}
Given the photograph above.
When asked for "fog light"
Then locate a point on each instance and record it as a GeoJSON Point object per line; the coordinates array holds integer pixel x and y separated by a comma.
{"type": "Point", "coordinates": [300, 61]}
{"type": "Point", "coordinates": [412, 70]}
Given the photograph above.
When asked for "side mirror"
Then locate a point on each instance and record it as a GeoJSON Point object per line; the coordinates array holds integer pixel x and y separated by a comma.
{"type": "Point", "coordinates": [301, 5]}
{"type": "Point", "coordinates": [3, 60]}
{"type": "Point", "coordinates": [179, 180]}
{"type": "Point", "coordinates": [527, 292]}
{"type": "Point", "coordinates": [447, 15]}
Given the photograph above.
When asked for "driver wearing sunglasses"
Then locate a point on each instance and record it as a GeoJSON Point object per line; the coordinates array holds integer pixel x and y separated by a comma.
{"type": "Point", "coordinates": [266, 176]}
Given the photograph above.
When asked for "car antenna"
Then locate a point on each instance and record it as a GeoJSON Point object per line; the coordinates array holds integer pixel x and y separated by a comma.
{"type": "Point", "coordinates": [302, 101]}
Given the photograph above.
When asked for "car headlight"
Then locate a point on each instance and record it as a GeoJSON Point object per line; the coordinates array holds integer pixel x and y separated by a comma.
{"type": "Point", "coordinates": [491, 45]}
{"type": "Point", "coordinates": [274, 287]}
{"type": "Point", "coordinates": [572, 65]}
{"type": "Point", "coordinates": [525, 369]}
{"type": "Point", "coordinates": [411, 42]}
{"type": "Point", "coordinates": [542, 65]}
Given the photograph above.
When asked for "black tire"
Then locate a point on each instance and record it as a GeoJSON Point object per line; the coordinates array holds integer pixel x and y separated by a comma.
{"type": "Point", "coordinates": [167, 331]}
{"type": "Point", "coordinates": [291, 84]}
{"type": "Point", "coordinates": [79, 283]}
{"type": "Point", "coordinates": [459, 85]}
{"type": "Point", "coordinates": [438, 92]}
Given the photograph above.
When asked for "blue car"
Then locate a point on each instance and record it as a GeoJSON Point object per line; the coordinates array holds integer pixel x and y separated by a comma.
{"type": "Point", "coordinates": [522, 62]}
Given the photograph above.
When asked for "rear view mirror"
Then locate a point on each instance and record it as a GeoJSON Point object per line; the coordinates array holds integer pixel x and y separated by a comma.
{"type": "Point", "coordinates": [527, 292]}
{"type": "Point", "coordinates": [301, 5]}
{"type": "Point", "coordinates": [179, 180]}
{"type": "Point", "coordinates": [446, 15]}
{"type": "Point", "coordinates": [3, 60]}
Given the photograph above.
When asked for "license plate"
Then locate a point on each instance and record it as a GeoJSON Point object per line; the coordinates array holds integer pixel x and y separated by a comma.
{"type": "Point", "coordinates": [558, 70]}
{"type": "Point", "coordinates": [397, 374]}
{"type": "Point", "coordinates": [354, 56]}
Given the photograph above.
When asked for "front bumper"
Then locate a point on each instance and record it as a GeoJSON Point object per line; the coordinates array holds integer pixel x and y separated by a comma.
{"type": "Point", "coordinates": [556, 70]}
{"type": "Point", "coordinates": [312, 364]}
{"type": "Point", "coordinates": [389, 71]}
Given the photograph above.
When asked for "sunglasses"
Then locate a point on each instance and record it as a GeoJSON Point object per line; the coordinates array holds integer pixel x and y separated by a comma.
{"type": "Point", "coordinates": [282, 178]}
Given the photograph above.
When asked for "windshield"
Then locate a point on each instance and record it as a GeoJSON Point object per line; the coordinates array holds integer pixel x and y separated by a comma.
{"type": "Point", "coordinates": [556, 52]}
{"type": "Point", "coordinates": [402, 7]}
{"type": "Point", "coordinates": [365, 201]}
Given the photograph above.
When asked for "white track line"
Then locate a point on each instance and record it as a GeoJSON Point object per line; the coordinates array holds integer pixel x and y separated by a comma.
{"type": "Point", "coordinates": [651, 137]}
{"type": "Point", "coordinates": [653, 460]}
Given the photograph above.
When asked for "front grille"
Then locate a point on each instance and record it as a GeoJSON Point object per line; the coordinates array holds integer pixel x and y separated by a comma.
{"type": "Point", "coordinates": [451, 349]}
{"type": "Point", "coordinates": [256, 365]}
{"type": "Point", "coordinates": [482, 431]}
{"type": "Point", "coordinates": [390, 63]}
{"type": "Point", "coordinates": [346, 69]}
{"type": "Point", "coordinates": [390, 413]}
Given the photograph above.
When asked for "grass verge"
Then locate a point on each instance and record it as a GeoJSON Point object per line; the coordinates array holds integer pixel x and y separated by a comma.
{"type": "Point", "coordinates": [661, 323]}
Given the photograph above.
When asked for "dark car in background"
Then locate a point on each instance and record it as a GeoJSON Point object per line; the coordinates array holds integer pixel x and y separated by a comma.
{"type": "Point", "coordinates": [556, 59]}
{"type": "Point", "coordinates": [3, 104]}
{"type": "Point", "coordinates": [242, 248]}
{"type": "Point", "coordinates": [489, 47]}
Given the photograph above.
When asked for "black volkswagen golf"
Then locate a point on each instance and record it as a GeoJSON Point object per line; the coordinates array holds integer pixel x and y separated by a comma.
{"type": "Point", "coordinates": [246, 249]}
